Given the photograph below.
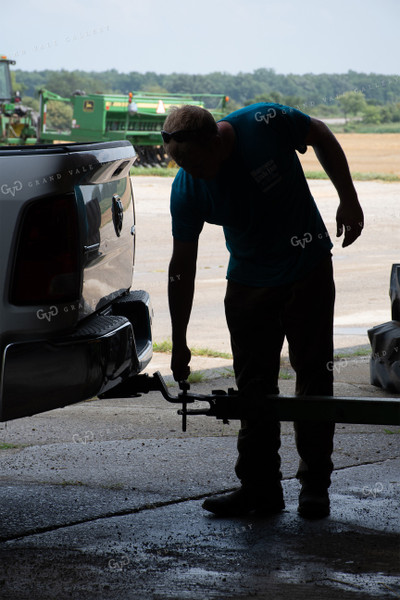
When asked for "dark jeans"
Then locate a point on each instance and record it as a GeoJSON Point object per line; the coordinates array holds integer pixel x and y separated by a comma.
{"type": "Point", "coordinates": [258, 321]}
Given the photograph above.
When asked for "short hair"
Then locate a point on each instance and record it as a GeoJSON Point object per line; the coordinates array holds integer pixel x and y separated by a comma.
{"type": "Point", "coordinates": [192, 118]}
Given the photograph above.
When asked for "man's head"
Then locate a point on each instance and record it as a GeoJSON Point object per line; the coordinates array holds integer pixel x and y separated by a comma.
{"type": "Point", "coordinates": [192, 139]}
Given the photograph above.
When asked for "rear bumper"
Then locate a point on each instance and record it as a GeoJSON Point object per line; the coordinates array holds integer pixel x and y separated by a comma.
{"type": "Point", "coordinates": [45, 374]}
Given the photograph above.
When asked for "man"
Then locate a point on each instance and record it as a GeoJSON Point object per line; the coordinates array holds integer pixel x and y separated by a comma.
{"type": "Point", "coordinates": [243, 173]}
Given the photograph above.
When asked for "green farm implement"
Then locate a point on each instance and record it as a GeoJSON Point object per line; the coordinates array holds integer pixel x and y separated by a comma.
{"type": "Point", "coordinates": [135, 116]}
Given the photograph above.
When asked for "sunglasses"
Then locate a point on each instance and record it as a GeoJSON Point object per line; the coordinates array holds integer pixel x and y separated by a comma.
{"type": "Point", "coordinates": [183, 135]}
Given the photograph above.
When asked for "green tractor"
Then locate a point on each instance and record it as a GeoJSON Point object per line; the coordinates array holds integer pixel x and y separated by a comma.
{"type": "Point", "coordinates": [18, 123]}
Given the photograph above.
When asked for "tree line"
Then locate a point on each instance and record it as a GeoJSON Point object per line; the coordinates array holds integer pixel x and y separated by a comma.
{"type": "Point", "coordinates": [242, 87]}
{"type": "Point", "coordinates": [315, 94]}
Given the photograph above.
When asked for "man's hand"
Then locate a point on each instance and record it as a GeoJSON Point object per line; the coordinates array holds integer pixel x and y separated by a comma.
{"type": "Point", "coordinates": [180, 363]}
{"type": "Point", "coordinates": [349, 216]}
{"type": "Point", "coordinates": [350, 221]}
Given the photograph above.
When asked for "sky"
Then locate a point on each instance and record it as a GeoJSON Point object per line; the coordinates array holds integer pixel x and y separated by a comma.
{"type": "Point", "coordinates": [203, 36]}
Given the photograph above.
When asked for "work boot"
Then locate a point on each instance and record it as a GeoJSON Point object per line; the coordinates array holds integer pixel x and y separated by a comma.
{"type": "Point", "coordinates": [315, 445]}
{"type": "Point", "coordinates": [313, 502]}
{"type": "Point", "coordinates": [245, 500]}
{"type": "Point", "coordinates": [257, 466]}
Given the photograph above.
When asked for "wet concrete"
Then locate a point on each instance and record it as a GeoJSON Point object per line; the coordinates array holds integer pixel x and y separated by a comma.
{"type": "Point", "coordinates": [102, 500]}
{"type": "Point", "coordinates": [173, 549]}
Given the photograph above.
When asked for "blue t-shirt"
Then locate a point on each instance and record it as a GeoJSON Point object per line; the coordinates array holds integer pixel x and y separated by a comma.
{"type": "Point", "coordinates": [273, 229]}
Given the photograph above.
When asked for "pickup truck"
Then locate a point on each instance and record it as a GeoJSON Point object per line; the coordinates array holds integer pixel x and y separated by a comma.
{"type": "Point", "coordinates": [71, 328]}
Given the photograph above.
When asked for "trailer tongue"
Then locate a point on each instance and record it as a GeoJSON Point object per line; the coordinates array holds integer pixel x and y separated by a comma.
{"type": "Point", "coordinates": [253, 402]}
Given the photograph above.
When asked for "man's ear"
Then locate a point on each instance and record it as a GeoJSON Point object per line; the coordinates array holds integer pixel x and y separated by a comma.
{"type": "Point", "coordinates": [215, 143]}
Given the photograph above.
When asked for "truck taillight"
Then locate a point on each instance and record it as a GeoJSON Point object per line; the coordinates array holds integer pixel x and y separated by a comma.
{"type": "Point", "coordinates": [47, 263]}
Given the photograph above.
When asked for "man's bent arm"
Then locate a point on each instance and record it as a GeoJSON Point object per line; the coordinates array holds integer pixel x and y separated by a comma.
{"type": "Point", "coordinates": [329, 152]}
{"type": "Point", "coordinates": [181, 276]}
